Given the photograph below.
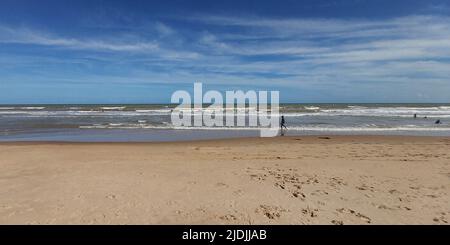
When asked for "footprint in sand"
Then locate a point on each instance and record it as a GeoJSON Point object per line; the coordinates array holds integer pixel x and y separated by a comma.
{"type": "Point", "coordinates": [111, 196]}
{"type": "Point", "coordinates": [365, 187]}
{"type": "Point", "coordinates": [298, 194]}
{"type": "Point", "coordinates": [441, 218]}
{"type": "Point", "coordinates": [337, 222]}
{"type": "Point", "coordinates": [228, 217]}
{"type": "Point", "coordinates": [258, 177]}
{"type": "Point", "coordinates": [336, 182]}
{"type": "Point", "coordinates": [385, 207]}
{"type": "Point", "coordinates": [238, 192]}
{"type": "Point", "coordinates": [271, 212]}
{"type": "Point", "coordinates": [319, 193]}
{"type": "Point", "coordinates": [394, 192]}
{"type": "Point", "coordinates": [355, 214]}
{"type": "Point", "coordinates": [311, 212]}
{"type": "Point", "coordinates": [220, 184]}
{"type": "Point", "coordinates": [280, 185]}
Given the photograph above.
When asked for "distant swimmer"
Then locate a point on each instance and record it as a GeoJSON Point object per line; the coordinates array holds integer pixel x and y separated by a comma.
{"type": "Point", "coordinates": [438, 122]}
{"type": "Point", "coordinates": [283, 125]}
{"type": "Point", "coordinates": [415, 115]}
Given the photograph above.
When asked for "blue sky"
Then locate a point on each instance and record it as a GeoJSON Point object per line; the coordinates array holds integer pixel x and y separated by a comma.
{"type": "Point", "coordinates": [142, 51]}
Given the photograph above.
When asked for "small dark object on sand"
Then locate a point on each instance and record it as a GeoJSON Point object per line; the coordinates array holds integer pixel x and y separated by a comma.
{"type": "Point", "coordinates": [324, 138]}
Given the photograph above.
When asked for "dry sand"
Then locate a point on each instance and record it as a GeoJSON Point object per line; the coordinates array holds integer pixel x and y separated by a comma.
{"type": "Point", "coordinates": [287, 180]}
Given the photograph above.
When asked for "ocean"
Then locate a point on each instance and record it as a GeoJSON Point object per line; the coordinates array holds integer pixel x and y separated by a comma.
{"type": "Point", "coordinates": [143, 123]}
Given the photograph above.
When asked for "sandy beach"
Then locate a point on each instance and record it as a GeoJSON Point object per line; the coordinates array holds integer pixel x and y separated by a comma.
{"type": "Point", "coordinates": [284, 180]}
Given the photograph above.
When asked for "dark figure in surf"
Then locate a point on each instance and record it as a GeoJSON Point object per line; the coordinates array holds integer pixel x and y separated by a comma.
{"type": "Point", "coordinates": [415, 115]}
{"type": "Point", "coordinates": [438, 122]}
{"type": "Point", "coordinates": [283, 125]}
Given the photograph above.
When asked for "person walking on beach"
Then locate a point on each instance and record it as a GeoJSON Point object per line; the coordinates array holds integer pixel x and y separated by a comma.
{"type": "Point", "coordinates": [282, 125]}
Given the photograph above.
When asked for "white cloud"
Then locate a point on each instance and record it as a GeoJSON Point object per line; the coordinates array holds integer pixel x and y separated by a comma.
{"type": "Point", "coordinates": [25, 36]}
{"type": "Point", "coordinates": [163, 29]}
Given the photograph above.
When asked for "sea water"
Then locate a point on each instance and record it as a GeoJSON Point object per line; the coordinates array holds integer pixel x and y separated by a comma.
{"type": "Point", "coordinates": [141, 123]}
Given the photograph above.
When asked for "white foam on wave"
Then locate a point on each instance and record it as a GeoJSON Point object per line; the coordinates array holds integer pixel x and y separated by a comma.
{"type": "Point", "coordinates": [437, 112]}
{"type": "Point", "coordinates": [356, 107]}
{"type": "Point", "coordinates": [405, 128]}
{"type": "Point", "coordinates": [31, 108]}
{"type": "Point", "coordinates": [113, 107]}
{"type": "Point", "coordinates": [153, 111]}
{"type": "Point", "coordinates": [74, 113]}
{"type": "Point", "coordinates": [115, 124]}
{"type": "Point", "coordinates": [320, 114]}
{"type": "Point", "coordinates": [370, 129]}
{"type": "Point", "coordinates": [312, 108]}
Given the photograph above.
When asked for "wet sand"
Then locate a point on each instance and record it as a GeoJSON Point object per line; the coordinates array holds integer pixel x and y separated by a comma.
{"type": "Point", "coordinates": [284, 180]}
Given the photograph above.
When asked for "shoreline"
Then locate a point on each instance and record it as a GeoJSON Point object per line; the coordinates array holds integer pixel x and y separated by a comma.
{"type": "Point", "coordinates": [244, 138]}
{"type": "Point", "coordinates": [282, 180]}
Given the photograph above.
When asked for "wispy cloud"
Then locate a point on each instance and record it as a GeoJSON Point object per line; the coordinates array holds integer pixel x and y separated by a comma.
{"type": "Point", "coordinates": [26, 36]}
{"type": "Point", "coordinates": [112, 44]}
